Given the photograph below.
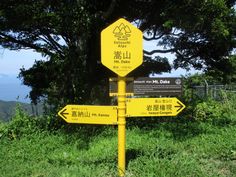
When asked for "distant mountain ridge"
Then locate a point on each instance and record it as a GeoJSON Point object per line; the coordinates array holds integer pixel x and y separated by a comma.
{"type": "Point", "coordinates": [7, 109]}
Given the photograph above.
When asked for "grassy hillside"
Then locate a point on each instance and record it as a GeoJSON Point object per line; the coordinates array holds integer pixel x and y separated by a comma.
{"type": "Point", "coordinates": [172, 148]}
{"type": "Point", "coordinates": [200, 142]}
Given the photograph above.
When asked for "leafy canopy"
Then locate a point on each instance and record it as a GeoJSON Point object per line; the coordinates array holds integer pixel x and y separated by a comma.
{"type": "Point", "coordinates": [199, 33]}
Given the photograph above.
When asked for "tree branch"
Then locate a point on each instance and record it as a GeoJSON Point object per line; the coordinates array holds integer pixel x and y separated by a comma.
{"type": "Point", "coordinates": [188, 60]}
{"type": "Point", "coordinates": [66, 39]}
{"type": "Point", "coordinates": [157, 51]}
{"type": "Point", "coordinates": [54, 44]}
{"type": "Point", "coordinates": [51, 45]}
{"type": "Point", "coordinates": [24, 44]}
{"type": "Point", "coordinates": [153, 38]}
{"type": "Point", "coordinates": [110, 9]}
{"type": "Point", "coordinates": [177, 34]}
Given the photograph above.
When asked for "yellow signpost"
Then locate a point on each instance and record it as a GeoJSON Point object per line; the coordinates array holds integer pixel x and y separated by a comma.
{"type": "Point", "coordinates": [87, 114]}
{"type": "Point", "coordinates": [121, 47]}
{"type": "Point", "coordinates": [121, 52]}
{"type": "Point", "coordinates": [121, 125]}
{"type": "Point", "coordinates": [148, 107]}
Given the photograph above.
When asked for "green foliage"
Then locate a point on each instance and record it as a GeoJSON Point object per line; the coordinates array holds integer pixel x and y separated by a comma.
{"type": "Point", "coordinates": [207, 110]}
{"type": "Point", "coordinates": [7, 109]}
{"type": "Point", "coordinates": [168, 149]}
{"type": "Point", "coordinates": [220, 110]}
{"type": "Point", "coordinates": [176, 146]}
{"type": "Point", "coordinates": [228, 76]}
{"type": "Point", "coordinates": [199, 33]}
{"type": "Point", "coordinates": [223, 111]}
{"type": "Point", "coordinates": [20, 125]}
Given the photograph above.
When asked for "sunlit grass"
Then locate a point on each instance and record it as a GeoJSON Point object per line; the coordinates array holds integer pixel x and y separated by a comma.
{"type": "Point", "coordinates": [167, 149]}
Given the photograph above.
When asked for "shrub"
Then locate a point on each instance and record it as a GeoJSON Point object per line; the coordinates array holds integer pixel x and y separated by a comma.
{"type": "Point", "coordinates": [223, 111]}
{"type": "Point", "coordinates": [20, 124]}
{"type": "Point", "coordinates": [207, 110]}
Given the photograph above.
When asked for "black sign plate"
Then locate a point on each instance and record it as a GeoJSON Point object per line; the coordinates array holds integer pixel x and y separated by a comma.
{"type": "Point", "coordinates": [146, 86]}
{"type": "Point", "coordinates": [168, 86]}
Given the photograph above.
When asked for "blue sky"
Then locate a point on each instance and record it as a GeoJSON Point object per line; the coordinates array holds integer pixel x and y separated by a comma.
{"type": "Point", "coordinates": [11, 61]}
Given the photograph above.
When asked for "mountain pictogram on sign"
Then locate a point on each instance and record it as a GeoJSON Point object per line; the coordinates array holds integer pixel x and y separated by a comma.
{"type": "Point", "coordinates": [122, 32]}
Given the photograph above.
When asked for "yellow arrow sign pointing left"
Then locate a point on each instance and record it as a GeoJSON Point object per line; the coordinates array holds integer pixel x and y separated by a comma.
{"type": "Point", "coordinates": [87, 114]}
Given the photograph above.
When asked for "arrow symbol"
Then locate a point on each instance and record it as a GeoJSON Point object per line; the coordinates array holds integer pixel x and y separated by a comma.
{"type": "Point", "coordinates": [180, 106]}
{"type": "Point", "coordinates": [63, 113]}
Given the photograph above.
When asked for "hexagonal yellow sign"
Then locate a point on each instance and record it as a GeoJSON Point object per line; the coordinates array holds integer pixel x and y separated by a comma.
{"type": "Point", "coordinates": [121, 47]}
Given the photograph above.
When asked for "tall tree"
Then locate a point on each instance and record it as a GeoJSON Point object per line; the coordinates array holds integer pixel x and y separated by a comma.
{"type": "Point", "coordinates": [226, 76]}
{"type": "Point", "coordinates": [67, 32]}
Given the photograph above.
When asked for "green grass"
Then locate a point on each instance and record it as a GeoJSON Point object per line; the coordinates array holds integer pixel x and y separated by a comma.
{"type": "Point", "coordinates": [166, 149]}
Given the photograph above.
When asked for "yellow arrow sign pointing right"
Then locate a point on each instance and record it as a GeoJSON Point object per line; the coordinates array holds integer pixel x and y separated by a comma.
{"type": "Point", "coordinates": [151, 107]}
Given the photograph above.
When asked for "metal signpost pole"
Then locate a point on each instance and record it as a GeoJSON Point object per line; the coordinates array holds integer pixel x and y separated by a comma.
{"type": "Point", "coordinates": [121, 52]}
{"type": "Point", "coordinates": [121, 125]}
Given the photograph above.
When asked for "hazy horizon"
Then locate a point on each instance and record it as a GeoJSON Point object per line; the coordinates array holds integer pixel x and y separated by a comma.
{"type": "Point", "coordinates": [12, 89]}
